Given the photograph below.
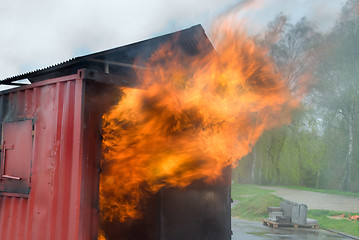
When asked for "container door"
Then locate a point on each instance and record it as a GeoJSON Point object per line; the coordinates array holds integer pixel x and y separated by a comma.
{"type": "Point", "coordinates": [16, 154]}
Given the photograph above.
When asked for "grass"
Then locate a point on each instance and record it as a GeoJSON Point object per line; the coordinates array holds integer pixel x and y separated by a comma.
{"type": "Point", "coordinates": [240, 191]}
{"type": "Point", "coordinates": [342, 225]}
{"type": "Point", "coordinates": [255, 207]}
{"type": "Point", "coordinates": [254, 202]}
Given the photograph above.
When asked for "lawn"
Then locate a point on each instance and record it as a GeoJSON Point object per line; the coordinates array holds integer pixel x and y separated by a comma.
{"type": "Point", "coordinates": [254, 202]}
{"type": "Point", "coordinates": [344, 224]}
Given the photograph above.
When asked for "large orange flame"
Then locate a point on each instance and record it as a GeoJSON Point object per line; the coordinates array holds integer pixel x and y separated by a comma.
{"type": "Point", "coordinates": [189, 120]}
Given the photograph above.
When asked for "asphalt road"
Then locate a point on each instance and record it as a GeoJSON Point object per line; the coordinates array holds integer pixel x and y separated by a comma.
{"type": "Point", "coordinates": [248, 230]}
{"type": "Point", "coordinates": [316, 200]}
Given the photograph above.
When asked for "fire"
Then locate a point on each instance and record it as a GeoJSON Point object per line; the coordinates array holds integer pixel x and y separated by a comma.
{"type": "Point", "coordinates": [188, 120]}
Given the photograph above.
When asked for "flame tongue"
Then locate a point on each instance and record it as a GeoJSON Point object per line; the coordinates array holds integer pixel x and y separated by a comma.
{"type": "Point", "coordinates": [188, 122]}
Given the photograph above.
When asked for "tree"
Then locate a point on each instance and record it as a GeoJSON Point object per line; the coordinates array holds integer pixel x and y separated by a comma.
{"type": "Point", "coordinates": [293, 48]}
{"type": "Point", "coordinates": [338, 86]}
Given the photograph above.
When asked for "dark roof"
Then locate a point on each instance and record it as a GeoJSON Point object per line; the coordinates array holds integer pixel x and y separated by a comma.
{"type": "Point", "coordinates": [121, 60]}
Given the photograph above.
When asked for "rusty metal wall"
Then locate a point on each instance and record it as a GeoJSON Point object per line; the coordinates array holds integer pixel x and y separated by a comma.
{"type": "Point", "coordinates": [60, 204]}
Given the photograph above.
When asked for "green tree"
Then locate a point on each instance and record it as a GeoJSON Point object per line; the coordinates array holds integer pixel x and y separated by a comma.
{"type": "Point", "coordinates": [338, 88]}
{"type": "Point", "coordinates": [277, 155]}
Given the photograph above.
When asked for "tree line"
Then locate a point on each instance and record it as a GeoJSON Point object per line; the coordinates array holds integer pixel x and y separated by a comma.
{"type": "Point", "coordinates": [320, 147]}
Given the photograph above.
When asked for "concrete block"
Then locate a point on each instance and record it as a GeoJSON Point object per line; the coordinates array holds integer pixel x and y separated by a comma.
{"type": "Point", "coordinates": [287, 208]}
{"type": "Point", "coordinates": [275, 209]}
{"type": "Point", "coordinates": [299, 213]}
{"type": "Point", "coordinates": [273, 216]}
{"type": "Point", "coordinates": [296, 211]}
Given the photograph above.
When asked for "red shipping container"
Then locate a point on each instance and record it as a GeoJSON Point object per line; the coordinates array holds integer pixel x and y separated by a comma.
{"type": "Point", "coordinates": [51, 148]}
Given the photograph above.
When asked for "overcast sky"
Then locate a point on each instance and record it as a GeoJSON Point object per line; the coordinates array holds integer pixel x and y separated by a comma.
{"type": "Point", "coordinates": [39, 33]}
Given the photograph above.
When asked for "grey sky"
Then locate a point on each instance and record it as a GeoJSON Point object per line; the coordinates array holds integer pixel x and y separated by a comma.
{"type": "Point", "coordinates": [39, 33]}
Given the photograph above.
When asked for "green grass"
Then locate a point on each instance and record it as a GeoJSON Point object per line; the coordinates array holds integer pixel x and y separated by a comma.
{"type": "Point", "coordinates": [245, 190]}
{"type": "Point", "coordinates": [254, 203]}
{"type": "Point", "coordinates": [342, 225]}
{"type": "Point", "coordinates": [256, 207]}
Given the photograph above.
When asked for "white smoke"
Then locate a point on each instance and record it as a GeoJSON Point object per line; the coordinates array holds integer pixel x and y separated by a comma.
{"type": "Point", "coordinates": [39, 33]}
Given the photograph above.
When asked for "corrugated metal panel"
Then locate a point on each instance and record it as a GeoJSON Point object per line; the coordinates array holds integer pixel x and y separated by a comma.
{"type": "Point", "coordinates": [63, 201]}
{"type": "Point", "coordinates": [53, 207]}
{"type": "Point", "coordinates": [122, 59]}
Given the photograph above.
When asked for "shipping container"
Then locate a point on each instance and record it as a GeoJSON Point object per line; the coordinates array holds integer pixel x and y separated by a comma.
{"type": "Point", "coordinates": [51, 152]}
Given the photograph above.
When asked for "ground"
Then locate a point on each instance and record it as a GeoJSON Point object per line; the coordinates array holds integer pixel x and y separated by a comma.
{"type": "Point", "coordinates": [248, 230]}
{"type": "Point", "coordinates": [316, 200]}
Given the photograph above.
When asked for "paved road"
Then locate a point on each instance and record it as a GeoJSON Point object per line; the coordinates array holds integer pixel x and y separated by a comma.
{"type": "Point", "coordinates": [248, 230]}
{"type": "Point", "coordinates": [316, 200]}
